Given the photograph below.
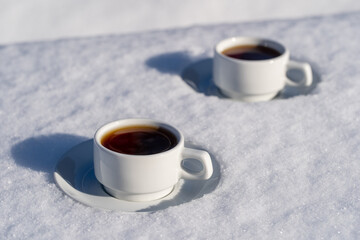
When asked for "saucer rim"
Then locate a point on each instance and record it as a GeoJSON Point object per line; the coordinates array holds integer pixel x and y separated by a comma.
{"type": "Point", "coordinates": [110, 203]}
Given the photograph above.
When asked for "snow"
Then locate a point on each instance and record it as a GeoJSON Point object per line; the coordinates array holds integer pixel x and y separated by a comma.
{"type": "Point", "coordinates": [34, 20]}
{"type": "Point", "coordinates": [289, 167]}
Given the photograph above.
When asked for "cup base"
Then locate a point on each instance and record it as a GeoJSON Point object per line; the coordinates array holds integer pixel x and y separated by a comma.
{"type": "Point", "coordinates": [249, 98]}
{"type": "Point", "coordinates": [138, 197]}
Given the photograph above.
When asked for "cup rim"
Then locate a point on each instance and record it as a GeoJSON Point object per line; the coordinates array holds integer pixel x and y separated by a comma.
{"type": "Point", "coordinates": [250, 40]}
{"type": "Point", "coordinates": [134, 122]}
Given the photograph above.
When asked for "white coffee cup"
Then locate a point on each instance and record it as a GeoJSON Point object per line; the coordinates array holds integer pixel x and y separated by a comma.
{"type": "Point", "coordinates": [145, 177]}
{"type": "Point", "coordinates": [255, 80]}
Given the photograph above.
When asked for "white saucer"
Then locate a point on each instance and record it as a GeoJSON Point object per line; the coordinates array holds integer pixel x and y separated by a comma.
{"type": "Point", "coordinates": [74, 174]}
{"type": "Point", "coordinates": [199, 76]}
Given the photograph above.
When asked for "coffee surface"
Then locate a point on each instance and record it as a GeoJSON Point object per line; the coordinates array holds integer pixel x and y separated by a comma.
{"type": "Point", "coordinates": [139, 140]}
{"type": "Point", "coordinates": [251, 52]}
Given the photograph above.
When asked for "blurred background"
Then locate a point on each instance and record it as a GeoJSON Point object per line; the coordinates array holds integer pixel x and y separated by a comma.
{"type": "Point", "coordinates": [38, 20]}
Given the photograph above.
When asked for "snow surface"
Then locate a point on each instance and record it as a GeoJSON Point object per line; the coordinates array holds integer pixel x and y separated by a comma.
{"type": "Point", "coordinates": [289, 167]}
{"type": "Point", "coordinates": [33, 20]}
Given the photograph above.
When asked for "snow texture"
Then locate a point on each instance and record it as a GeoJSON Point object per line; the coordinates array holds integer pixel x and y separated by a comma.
{"type": "Point", "coordinates": [289, 167]}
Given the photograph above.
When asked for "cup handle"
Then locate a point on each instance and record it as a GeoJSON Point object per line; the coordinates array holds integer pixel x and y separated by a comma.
{"type": "Point", "coordinates": [305, 68]}
{"type": "Point", "coordinates": [205, 160]}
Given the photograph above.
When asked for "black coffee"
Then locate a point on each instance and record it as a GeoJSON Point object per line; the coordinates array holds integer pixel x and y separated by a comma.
{"type": "Point", "coordinates": [251, 52]}
{"type": "Point", "coordinates": [139, 140]}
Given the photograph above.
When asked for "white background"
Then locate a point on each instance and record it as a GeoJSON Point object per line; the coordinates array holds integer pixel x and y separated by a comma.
{"type": "Point", "coordinates": [34, 20]}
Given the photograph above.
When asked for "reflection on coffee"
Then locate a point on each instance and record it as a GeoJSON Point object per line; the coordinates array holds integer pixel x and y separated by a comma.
{"type": "Point", "coordinates": [139, 140]}
{"type": "Point", "coordinates": [251, 52]}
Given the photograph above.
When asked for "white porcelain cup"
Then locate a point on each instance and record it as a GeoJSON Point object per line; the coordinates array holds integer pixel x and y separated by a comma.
{"type": "Point", "coordinates": [145, 177]}
{"type": "Point", "coordinates": [255, 80]}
